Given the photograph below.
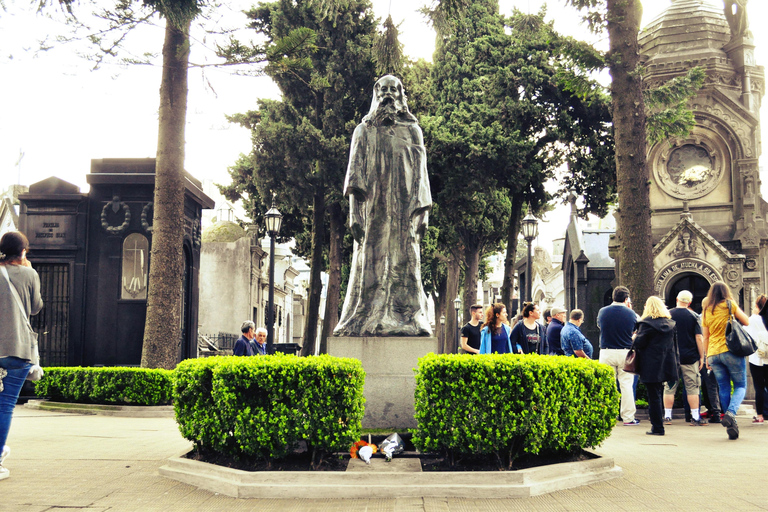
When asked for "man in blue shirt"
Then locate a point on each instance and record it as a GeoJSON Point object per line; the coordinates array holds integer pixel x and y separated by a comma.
{"type": "Point", "coordinates": [617, 324]}
{"type": "Point", "coordinates": [259, 343]}
{"type": "Point", "coordinates": [243, 344]}
{"type": "Point", "coordinates": [574, 343]}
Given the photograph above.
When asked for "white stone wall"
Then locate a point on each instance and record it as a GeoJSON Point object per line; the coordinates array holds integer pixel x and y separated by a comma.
{"type": "Point", "coordinates": [225, 295]}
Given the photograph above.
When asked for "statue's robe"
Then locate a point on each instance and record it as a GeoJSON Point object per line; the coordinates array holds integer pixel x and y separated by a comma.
{"type": "Point", "coordinates": [387, 182]}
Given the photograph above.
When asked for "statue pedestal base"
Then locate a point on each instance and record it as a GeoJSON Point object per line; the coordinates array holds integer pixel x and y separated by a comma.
{"type": "Point", "coordinates": [390, 380]}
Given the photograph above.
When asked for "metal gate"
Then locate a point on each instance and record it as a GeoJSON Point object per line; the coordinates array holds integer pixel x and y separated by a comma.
{"type": "Point", "coordinates": [52, 323]}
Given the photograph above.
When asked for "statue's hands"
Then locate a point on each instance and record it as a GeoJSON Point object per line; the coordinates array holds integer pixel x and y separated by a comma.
{"type": "Point", "coordinates": [420, 222]}
{"type": "Point", "coordinates": [356, 219]}
{"type": "Point", "coordinates": [358, 233]}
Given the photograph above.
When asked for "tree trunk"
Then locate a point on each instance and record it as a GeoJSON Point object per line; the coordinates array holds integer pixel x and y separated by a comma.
{"type": "Point", "coordinates": [332, 296]}
{"type": "Point", "coordinates": [472, 263]}
{"type": "Point", "coordinates": [632, 177]}
{"type": "Point", "coordinates": [508, 285]}
{"type": "Point", "coordinates": [452, 291]}
{"type": "Point", "coordinates": [316, 267]}
{"type": "Point", "coordinates": [440, 298]}
{"type": "Point", "coordinates": [162, 331]}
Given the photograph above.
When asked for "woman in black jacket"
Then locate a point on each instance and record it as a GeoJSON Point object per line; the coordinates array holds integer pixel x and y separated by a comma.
{"type": "Point", "coordinates": [656, 346]}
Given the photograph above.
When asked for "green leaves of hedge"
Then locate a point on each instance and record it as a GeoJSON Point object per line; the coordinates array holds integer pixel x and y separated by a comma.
{"type": "Point", "coordinates": [118, 386]}
{"type": "Point", "coordinates": [264, 406]}
{"type": "Point", "coordinates": [508, 404]}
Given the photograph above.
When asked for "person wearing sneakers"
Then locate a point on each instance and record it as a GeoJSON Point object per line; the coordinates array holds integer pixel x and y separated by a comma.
{"type": "Point", "coordinates": [758, 362]}
{"type": "Point", "coordinates": [657, 357]}
{"type": "Point", "coordinates": [691, 346]}
{"type": "Point", "coordinates": [617, 323]}
{"type": "Point", "coordinates": [729, 369]}
{"type": "Point", "coordinates": [19, 289]}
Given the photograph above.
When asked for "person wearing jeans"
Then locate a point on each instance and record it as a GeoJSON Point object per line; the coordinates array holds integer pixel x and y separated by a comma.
{"type": "Point", "coordinates": [758, 362]}
{"type": "Point", "coordinates": [717, 309]}
{"type": "Point", "coordinates": [19, 298]}
{"type": "Point", "coordinates": [16, 373]}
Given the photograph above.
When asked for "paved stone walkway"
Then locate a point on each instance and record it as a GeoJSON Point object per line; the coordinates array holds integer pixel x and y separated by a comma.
{"type": "Point", "coordinates": [67, 462]}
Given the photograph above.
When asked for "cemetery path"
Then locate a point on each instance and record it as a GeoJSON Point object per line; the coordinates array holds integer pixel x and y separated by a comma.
{"type": "Point", "coordinates": [99, 463]}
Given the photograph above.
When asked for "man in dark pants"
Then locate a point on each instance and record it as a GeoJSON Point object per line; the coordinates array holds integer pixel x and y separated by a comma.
{"type": "Point", "coordinates": [691, 349]}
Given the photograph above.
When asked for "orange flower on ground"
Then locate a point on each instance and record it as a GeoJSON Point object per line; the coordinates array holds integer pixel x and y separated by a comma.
{"type": "Point", "coordinates": [359, 444]}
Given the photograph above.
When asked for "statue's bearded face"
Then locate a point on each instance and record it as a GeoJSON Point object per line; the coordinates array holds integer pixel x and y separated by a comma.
{"type": "Point", "coordinates": [390, 97]}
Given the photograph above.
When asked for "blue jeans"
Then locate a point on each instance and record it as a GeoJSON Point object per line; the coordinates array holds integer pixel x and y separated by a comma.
{"type": "Point", "coordinates": [17, 373]}
{"type": "Point", "coordinates": [730, 368]}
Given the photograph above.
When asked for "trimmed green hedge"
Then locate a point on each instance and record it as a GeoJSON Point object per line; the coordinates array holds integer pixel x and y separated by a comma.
{"type": "Point", "coordinates": [109, 385]}
{"type": "Point", "coordinates": [262, 407]}
{"type": "Point", "coordinates": [507, 405]}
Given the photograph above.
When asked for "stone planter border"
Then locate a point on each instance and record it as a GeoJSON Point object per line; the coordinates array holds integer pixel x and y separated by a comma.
{"type": "Point", "coordinates": [385, 484]}
{"type": "Point", "coordinates": [125, 411]}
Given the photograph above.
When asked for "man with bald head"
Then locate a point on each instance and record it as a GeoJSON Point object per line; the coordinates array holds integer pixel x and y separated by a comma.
{"type": "Point", "coordinates": [389, 203]}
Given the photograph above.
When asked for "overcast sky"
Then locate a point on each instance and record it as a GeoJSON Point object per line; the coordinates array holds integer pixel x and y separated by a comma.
{"type": "Point", "coordinates": [57, 114]}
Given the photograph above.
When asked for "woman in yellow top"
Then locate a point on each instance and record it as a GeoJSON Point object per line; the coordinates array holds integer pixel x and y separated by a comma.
{"type": "Point", "coordinates": [728, 368]}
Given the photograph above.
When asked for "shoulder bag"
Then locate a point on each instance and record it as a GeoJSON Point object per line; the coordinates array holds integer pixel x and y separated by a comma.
{"type": "Point", "coordinates": [632, 363]}
{"type": "Point", "coordinates": [36, 372]}
{"type": "Point", "coordinates": [739, 342]}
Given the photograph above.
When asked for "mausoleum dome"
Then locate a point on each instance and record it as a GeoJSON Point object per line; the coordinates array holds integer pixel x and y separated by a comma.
{"type": "Point", "coordinates": [224, 231]}
{"type": "Point", "coordinates": [687, 29]}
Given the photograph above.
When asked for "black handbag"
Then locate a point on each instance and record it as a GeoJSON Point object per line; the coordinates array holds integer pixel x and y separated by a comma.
{"type": "Point", "coordinates": [739, 342]}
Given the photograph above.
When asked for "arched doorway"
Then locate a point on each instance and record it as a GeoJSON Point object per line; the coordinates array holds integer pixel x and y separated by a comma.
{"type": "Point", "coordinates": [694, 283]}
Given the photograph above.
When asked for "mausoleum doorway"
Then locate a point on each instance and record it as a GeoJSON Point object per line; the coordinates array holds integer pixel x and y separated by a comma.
{"type": "Point", "coordinates": [697, 284]}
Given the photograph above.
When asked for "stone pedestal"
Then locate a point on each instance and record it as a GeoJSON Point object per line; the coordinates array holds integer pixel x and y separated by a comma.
{"type": "Point", "coordinates": [389, 375]}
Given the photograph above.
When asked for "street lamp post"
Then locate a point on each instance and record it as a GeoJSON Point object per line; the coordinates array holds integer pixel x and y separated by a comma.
{"type": "Point", "coordinates": [457, 306]}
{"type": "Point", "coordinates": [530, 230]}
{"type": "Point", "coordinates": [442, 330]}
{"type": "Point", "coordinates": [272, 218]}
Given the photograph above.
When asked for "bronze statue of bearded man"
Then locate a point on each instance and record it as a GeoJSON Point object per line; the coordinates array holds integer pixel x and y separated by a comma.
{"type": "Point", "coordinates": [389, 203]}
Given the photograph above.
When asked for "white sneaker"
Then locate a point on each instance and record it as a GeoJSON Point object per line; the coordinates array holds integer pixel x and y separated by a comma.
{"type": "Point", "coordinates": [4, 473]}
{"type": "Point", "coordinates": [4, 453]}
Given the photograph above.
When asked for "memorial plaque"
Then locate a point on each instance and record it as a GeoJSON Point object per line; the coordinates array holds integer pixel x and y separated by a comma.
{"type": "Point", "coordinates": [51, 230]}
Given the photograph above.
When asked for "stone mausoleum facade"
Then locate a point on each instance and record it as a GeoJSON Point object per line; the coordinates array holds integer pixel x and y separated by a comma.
{"type": "Point", "coordinates": [709, 215]}
{"type": "Point", "coordinates": [92, 252]}
{"type": "Point", "coordinates": [708, 220]}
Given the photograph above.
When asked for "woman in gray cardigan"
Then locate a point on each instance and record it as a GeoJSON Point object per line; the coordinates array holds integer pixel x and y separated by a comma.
{"type": "Point", "coordinates": [16, 342]}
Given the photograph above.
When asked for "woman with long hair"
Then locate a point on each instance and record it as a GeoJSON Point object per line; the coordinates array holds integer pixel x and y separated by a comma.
{"type": "Point", "coordinates": [528, 333]}
{"type": "Point", "coordinates": [19, 282]}
{"type": "Point", "coordinates": [758, 362]}
{"type": "Point", "coordinates": [494, 336]}
{"type": "Point", "coordinates": [656, 347]}
{"type": "Point", "coordinates": [728, 367]}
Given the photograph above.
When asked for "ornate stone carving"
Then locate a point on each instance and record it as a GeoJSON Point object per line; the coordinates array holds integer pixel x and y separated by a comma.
{"type": "Point", "coordinates": [116, 204]}
{"type": "Point", "coordinates": [750, 237]}
{"type": "Point", "coordinates": [196, 233]}
{"type": "Point", "coordinates": [690, 169]}
{"type": "Point", "coordinates": [734, 123]}
{"type": "Point", "coordinates": [750, 264]}
{"type": "Point", "coordinates": [736, 14]}
{"type": "Point", "coordinates": [149, 207]}
{"type": "Point", "coordinates": [732, 275]}
{"type": "Point", "coordinates": [689, 246]}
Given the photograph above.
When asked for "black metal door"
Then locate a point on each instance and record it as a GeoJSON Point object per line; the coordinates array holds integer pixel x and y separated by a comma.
{"type": "Point", "coordinates": [52, 323]}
